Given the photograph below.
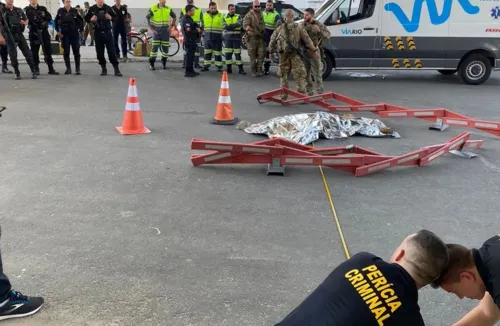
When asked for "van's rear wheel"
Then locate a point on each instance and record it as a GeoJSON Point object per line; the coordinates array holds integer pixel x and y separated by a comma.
{"type": "Point", "coordinates": [447, 72]}
{"type": "Point", "coordinates": [327, 64]}
{"type": "Point", "coordinates": [475, 69]}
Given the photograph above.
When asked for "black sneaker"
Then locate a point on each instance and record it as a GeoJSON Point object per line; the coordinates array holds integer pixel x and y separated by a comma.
{"type": "Point", "coordinates": [18, 305]}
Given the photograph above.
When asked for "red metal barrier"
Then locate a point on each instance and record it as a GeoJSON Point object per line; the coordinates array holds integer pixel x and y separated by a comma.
{"type": "Point", "coordinates": [442, 118]}
{"type": "Point", "coordinates": [278, 153]}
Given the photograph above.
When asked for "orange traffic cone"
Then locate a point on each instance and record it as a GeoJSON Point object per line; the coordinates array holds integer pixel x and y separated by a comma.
{"type": "Point", "coordinates": [132, 117]}
{"type": "Point", "coordinates": [224, 110]}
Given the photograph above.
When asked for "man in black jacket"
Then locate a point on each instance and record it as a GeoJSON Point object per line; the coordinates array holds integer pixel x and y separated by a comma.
{"type": "Point", "coordinates": [68, 24]}
{"type": "Point", "coordinates": [38, 23]}
{"type": "Point", "coordinates": [101, 16]}
{"type": "Point", "coordinates": [191, 31]}
{"type": "Point", "coordinates": [120, 29]}
{"type": "Point", "coordinates": [4, 53]}
{"type": "Point", "coordinates": [12, 25]}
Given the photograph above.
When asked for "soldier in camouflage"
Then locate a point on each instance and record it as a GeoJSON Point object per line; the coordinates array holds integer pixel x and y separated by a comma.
{"type": "Point", "coordinates": [253, 24]}
{"type": "Point", "coordinates": [289, 38]}
{"type": "Point", "coordinates": [318, 34]}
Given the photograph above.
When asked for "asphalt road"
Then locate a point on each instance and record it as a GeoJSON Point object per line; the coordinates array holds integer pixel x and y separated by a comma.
{"type": "Point", "coordinates": [117, 230]}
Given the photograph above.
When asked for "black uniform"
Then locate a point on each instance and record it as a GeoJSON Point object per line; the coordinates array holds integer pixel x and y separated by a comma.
{"type": "Point", "coordinates": [13, 33]}
{"type": "Point", "coordinates": [69, 23]}
{"type": "Point", "coordinates": [191, 37]}
{"type": "Point", "coordinates": [119, 29]}
{"type": "Point", "coordinates": [487, 259]}
{"type": "Point", "coordinates": [363, 291]}
{"type": "Point", "coordinates": [103, 36]}
{"type": "Point", "coordinates": [4, 53]}
{"type": "Point", "coordinates": [38, 23]}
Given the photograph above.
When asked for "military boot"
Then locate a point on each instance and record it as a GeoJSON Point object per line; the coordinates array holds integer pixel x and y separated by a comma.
{"type": "Point", "coordinates": [5, 69]}
{"type": "Point", "coordinates": [117, 71]}
{"type": "Point", "coordinates": [229, 69]}
{"type": "Point", "coordinates": [267, 65]}
{"type": "Point", "coordinates": [51, 69]}
{"type": "Point", "coordinates": [77, 66]}
{"type": "Point", "coordinates": [68, 66]}
{"type": "Point", "coordinates": [18, 73]}
{"type": "Point", "coordinates": [241, 71]}
{"type": "Point", "coordinates": [36, 68]}
{"type": "Point", "coordinates": [164, 63]}
{"type": "Point", "coordinates": [152, 63]}
{"type": "Point", "coordinates": [34, 74]}
{"type": "Point", "coordinates": [104, 70]}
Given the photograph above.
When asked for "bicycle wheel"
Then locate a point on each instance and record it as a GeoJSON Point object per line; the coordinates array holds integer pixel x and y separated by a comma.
{"type": "Point", "coordinates": [174, 46]}
{"type": "Point", "coordinates": [134, 40]}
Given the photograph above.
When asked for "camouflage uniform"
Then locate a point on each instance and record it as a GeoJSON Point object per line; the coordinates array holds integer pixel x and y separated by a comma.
{"type": "Point", "coordinates": [314, 70]}
{"type": "Point", "coordinates": [255, 42]}
{"type": "Point", "coordinates": [128, 28]}
{"type": "Point", "coordinates": [289, 59]}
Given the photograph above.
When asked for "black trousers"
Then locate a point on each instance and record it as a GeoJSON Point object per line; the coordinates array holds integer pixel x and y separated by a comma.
{"type": "Point", "coordinates": [190, 51]}
{"type": "Point", "coordinates": [4, 54]}
{"type": "Point", "coordinates": [19, 41]}
{"type": "Point", "coordinates": [4, 281]}
{"type": "Point", "coordinates": [104, 40]}
{"type": "Point", "coordinates": [35, 44]}
{"type": "Point", "coordinates": [71, 40]}
{"type": "Point", "coordinates": [120, 31]}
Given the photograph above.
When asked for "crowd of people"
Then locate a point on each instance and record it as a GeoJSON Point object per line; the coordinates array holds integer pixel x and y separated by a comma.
{"type": "Point", "coordinates": [299, 46]}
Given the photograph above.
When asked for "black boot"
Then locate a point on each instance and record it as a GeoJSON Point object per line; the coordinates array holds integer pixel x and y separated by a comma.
{"type": "Point", "coordinates": [68, 66]}
{"type": "Point", "coordinates": [104, 71]}
{"type": "Point", "coordinates": [36, 68]}
{"type": "Point", "coordinates": [164, 63]}
{"type": "Point", "coordinates": [266, 68]}
{"type": "Point", "coordinates": [91, 43]}
{"type": "Point", "coordinates": [229, 69]}
{"type": "Point", "coordinates": [117, 71]}
{"type": "Point", "coordinates": [18, 73]}
{"type": "Point", "coordinates": [197, 64]}
{"type": "Point", "coordinates": [34, 74]}
{"type": "Point", "coordinates": [51, 69]}
{"type": "Point", "coordinates": [152, 63]}
{"type": "Point", "coordinates": [241, 71]}
{"type": "Point", "coordinates": [5, 69]}
{"type": "Point", "coordinates": [77, 65]}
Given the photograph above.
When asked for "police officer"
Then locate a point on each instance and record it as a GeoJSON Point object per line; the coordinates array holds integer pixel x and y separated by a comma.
{"type": "Point", "coordinates": [160, 17]}
{"type": "Point", "coordinates": [120, 29]}
{"type": "Point", "coordinates": [198, 19]}
{"type": "Point", "coordinates": [38, 23]}
{"type": "Point", "coordinates": [271, 21]}
{"type": "Point", "coordinates": [13, 23]}
{"type": "Point", "coordinates": [68, 24]}
{"type": "Point", "coordinates": [191, 31]}
{"type": "Point", "coordinates": [101, 15]}
{"type": "Point", "coordinates": [212, 27]}
{"type": "Point", "coordinates": [4, 53]}
{"type": "Point", "coordinates": [232, 39]}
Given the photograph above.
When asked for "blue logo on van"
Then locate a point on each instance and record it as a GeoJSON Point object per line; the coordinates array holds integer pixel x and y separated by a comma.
{"type": "Point", "coordinates": [412, 25]}
{"type": "Point", "coordinates": [347, 31]}
{"type": "Point", "coordinates": [495, 12]}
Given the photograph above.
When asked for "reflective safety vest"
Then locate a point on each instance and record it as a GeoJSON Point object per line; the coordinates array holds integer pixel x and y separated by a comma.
{"type": "Point", "coordinates": [197, 14]}
{"type": "Point", "coordinates": [213, 24]}
{"type": "Point", "coordinates": [270, 19]}
{"type": "Point", "coordinates": [161, 16]}
{"type": "Point", "coordinates": [232, 20]}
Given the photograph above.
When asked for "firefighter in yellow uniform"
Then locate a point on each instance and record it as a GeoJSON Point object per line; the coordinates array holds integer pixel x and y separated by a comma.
{"type": "Point", "coordinates": [271, 21]}
{"type": "Point", "coordinates": [158, 18]}
{"type": "Point", "coordinates": [198, 19]}
{"type": "Point", "coordinates": [212, 27]}
{"type": "Point", "coordinates": [232, 39]}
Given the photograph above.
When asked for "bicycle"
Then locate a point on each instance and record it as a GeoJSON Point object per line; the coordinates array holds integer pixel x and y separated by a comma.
{"type": "Point", "coordinates": [142, 37]}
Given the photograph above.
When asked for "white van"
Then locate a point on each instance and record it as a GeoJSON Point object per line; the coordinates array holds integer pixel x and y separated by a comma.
{"type": "Point", "coordinates": [445, 35]}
